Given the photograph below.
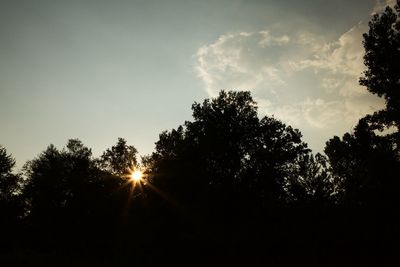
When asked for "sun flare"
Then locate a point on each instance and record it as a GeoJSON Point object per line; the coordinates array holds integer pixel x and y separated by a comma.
{"type": "Point", "coordinates": [136, 176]}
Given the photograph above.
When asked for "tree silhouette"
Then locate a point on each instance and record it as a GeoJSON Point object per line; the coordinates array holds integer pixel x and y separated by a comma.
{"type": "Point", "coordinates": [118, 159]}
{"type": "Point", "coordinates": [382, 58]}
{"type": "Point", "coordinates": [369, 164]}
{"type": "Point", "coordinates": [72, 204]}
{"type": "Point", "coordinates": [55, 178]}
{"type": "Point", "coordinates": [314, 182]}
{"type": "Point", "coordinates": [9, 182]}
{"type": "Point", "coordinates": [227, 149]}
{"type": "Point", "coordinates": [368, 159]}
{"type": "Point", "coordinates": [227, 170]}
{"type": "Point", "coordinates": [10, 202]}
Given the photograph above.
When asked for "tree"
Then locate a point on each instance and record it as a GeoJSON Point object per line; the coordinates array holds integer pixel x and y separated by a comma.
{"type": "Point", "coordinates": [314, 182]}
{"type": "Point", "coordinates": [368, 159]}
{"type": "Point", "coordinates": [382, 59]}
{"type": "Point", "coordinates": [368, 164]}
{"type": "Point", "coordinates": [226, 152]}
{"type": "Point", "coordinates": [10, 202]}
{"type": "Point", "coordinates": [56, 180]}
{"type": "Point", "coordinates": [224, 174]}
{"type": "Point", "coordinates": [119, 159]}
{"type": "Point", "coordinates": [70, 201]}
{"type": "Point", "coordinates": [9, 182]}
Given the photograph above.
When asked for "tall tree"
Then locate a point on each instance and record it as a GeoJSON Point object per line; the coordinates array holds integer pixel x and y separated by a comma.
{"type": "Point", "coordinates": [368, 159]}
{"type": "Point", "coordinates": [10, 202]}
{"type": "Point", "coordinates": [9, 181]}
{"type": "Point", "coordinates": [228, 150]}
{"type": "Point", "coordinates": [382, 59]}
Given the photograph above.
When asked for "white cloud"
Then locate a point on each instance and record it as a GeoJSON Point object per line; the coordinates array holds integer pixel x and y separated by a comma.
{"type": "Point", "coordinates": [299, 78]}
{"type": "Point", "coordinates": [350, 89]}
{"type": "Point", "coordinates": [380, 5]}
{"type": "Point", "coordinates": [317, 113]}
{"type": "Point", "coordinates": [267, 39]}
{"type": "Point", "coordinates": [344, 56]}
{"type": "Point", "coordinates": [233, 61]}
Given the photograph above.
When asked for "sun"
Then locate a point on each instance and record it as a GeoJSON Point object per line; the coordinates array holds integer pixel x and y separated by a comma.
{"type": "Point", "coordinates": [136, 176]}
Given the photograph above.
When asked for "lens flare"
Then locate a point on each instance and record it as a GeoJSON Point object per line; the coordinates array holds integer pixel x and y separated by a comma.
{"type": "Point", "coordinates": [136, 176]}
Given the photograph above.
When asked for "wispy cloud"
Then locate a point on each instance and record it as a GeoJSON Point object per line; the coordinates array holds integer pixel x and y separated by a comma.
{"type": "Point", "coordinates": [343, 56]}
{"type": "Point", "coordinates": [300, 78]}
{"type": "Point", "coordinates": [380, 5]}
{"type": "Point", "coordinates": [275, 67]}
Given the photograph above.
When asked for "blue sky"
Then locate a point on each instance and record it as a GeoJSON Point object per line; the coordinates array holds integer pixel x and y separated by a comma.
{"type": "Point", "coordinates": [98, 70]}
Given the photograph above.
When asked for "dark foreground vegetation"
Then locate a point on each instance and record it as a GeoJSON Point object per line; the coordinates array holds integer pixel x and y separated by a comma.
{"type": "Point", "coordinates": [225, 189]}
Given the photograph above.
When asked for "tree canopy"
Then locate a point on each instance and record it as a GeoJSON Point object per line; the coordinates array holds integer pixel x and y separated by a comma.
{"type": "Point", "coordinates": [8, 180]}
{"type": "Point", "coordinates": [382, 59]}
{"type": "Point", "coordinates": [368, 159]}
{"type": "Point", "coordinates": [227, 148]}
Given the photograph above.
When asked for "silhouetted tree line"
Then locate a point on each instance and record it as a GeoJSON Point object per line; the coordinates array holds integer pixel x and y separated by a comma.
{"type": "Point", "coordinates": [227, 188]}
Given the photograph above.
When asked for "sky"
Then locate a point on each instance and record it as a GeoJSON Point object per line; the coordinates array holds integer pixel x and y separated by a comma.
{"type": "Point", "coordinates": [99, 70]}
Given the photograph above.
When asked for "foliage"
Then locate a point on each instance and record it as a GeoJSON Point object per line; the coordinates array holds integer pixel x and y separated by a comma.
{"type": "Point", "coordinates": [368, 162]}
{"type": "Point", "coordinates": [9, 182]}
{"type": "Point", "coordinates": [314, 182]}
{"type": "Point", "coordinates": [118, 159]}
{"type": "Point", "coordinates": [382, 58]}
{"type": "Point", "coordinates": [57, 179]}
{"type": "Point", "coordinates": [227, 149]}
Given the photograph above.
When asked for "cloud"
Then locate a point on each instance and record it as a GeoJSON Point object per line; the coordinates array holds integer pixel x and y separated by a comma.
{"type": "Point", "coordinates": [232, 61]}
{"type": "Point", "coordinates": [344, 56]}
{"type": "Point", "coordinates": [268, 39]}
{"type": "Point", "coordinates": [300, 78]}
{"type": "Point", "coordinates": [380, 5]}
